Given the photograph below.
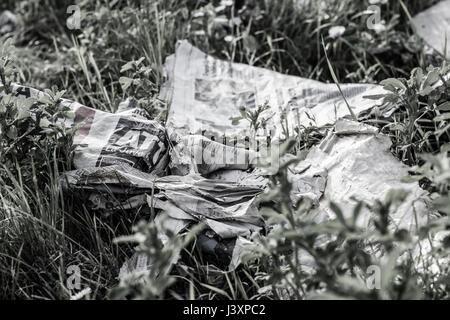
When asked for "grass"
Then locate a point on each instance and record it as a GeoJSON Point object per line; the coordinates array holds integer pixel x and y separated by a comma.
{"type": "Point", "coordinates": [119, 52]}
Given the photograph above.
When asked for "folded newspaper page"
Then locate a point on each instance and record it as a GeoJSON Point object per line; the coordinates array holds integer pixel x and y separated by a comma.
{"type": "Point", "coordinates": [104, 138]}
{"type": "Point", "coordinates": [205, 93]}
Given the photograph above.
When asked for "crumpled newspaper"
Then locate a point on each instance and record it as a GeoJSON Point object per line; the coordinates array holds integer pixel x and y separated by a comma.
{"type": "Point", "coordinates": [121, 158]}
{"type": "Point", "coordinates": [198, 154]}
{"type": "Point", "coordinates": [228, 209]}
{"type": "Point", "coordinates": [190, 197]}
{"type": "Point", "coordinates": [354, 162]}
{"type": "Point", "coordinates": [433, 25]}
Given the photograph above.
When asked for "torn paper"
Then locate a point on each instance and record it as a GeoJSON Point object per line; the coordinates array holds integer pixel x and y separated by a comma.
{"type": "Point", "coordinates": [433, 25]}
{"type": "Point", "coordinates": [358, 164]}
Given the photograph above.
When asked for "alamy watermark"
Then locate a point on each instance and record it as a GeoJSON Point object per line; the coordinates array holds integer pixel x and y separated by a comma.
{"type": "Point", "coordinates": [374, 22]}
{"type": "Point", "coordinates": [73, 284]}
{"type": "Point", "coordinates": [73, 22]}
{"type": "Point", "coordinates": [373, 281]}
{"type": "Point", "coordinates": [375, 19]}
{"type": "Point", "coordinates": [73, 281]}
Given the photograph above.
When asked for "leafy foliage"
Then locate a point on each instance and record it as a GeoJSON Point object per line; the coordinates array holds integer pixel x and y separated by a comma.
{"type": "Point", "coordinates": [422, 122]}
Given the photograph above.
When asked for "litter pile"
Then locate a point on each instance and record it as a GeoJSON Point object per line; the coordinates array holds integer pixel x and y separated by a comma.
{"type": "Point", "coordinates": [202, 166]}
